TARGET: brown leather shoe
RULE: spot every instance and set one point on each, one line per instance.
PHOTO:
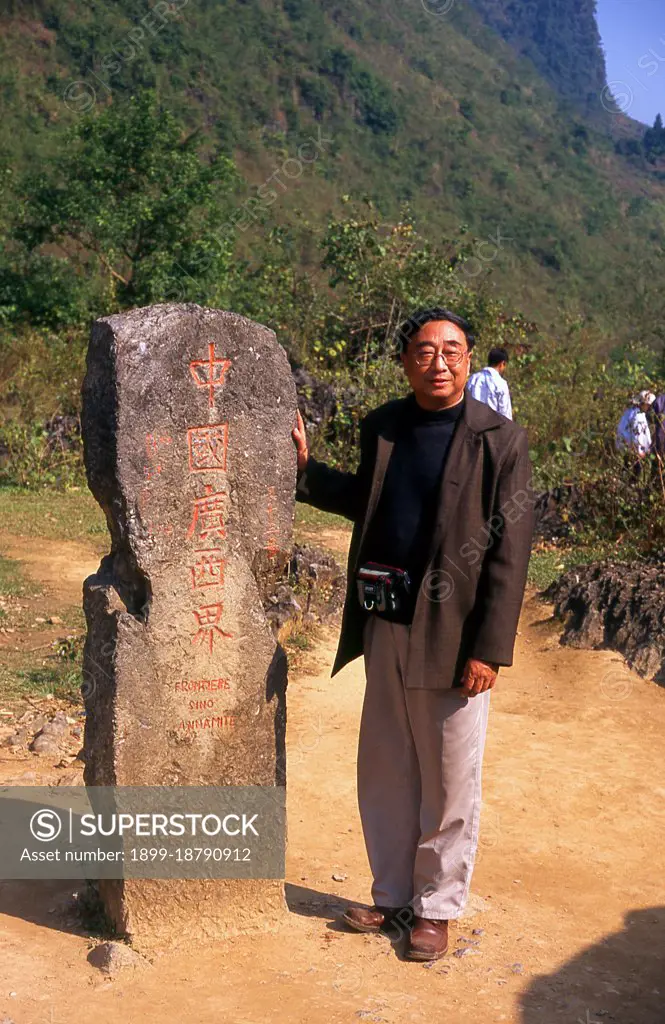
(369, 919)
(429, 940)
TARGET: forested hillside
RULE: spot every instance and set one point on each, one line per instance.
(561, 39)
(431, 109)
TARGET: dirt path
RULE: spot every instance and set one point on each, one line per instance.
(59, 565)
(59, 568)
(567, 888)
(336, 541)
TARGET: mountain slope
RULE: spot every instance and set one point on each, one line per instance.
(438, 111)
(561, 39)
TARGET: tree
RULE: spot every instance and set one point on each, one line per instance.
(654, 140)
(130, 201)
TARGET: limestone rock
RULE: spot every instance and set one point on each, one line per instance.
(113, 957)
(616, 605)
(559, 512)
(321, 578)
(44, 744)
(282, 607)
(16, 739)
(51, 736)
(187, 418)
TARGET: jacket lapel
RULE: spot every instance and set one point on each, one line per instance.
(384, 450)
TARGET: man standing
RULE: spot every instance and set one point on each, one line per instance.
(489, 385)
(442, 493)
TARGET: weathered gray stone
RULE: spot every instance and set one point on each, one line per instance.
(113, 957)
(16, 739)
(616, 605)
(45, 744)
(321, 580)
(187, 418)
(57, 726)
(51, 737)
(282, 607)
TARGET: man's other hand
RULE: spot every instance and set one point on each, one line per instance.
(478, 676)
(300, 440)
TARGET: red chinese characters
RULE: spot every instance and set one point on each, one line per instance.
(208, 621)
(209, 373)
(208, 570)
(272, 530)
(208, 516)
(207, 447)
(154, 443)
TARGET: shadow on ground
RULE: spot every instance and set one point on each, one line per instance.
(53, 904)
(621, 979)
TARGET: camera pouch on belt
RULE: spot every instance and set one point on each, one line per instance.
(382, 588)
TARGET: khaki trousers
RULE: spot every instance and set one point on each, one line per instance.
(419, 775)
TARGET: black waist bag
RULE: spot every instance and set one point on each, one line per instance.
(382, 588)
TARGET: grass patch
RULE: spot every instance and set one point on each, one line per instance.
(55, 515)
(547, 565)
(59, 680)
(13, 581)
(15, 587)
(60, 673)
(299, 642)
(310, 518)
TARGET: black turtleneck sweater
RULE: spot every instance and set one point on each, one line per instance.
(400, 531)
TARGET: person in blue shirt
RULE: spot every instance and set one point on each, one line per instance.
(633, 433)
(633, 436)
(489, 386)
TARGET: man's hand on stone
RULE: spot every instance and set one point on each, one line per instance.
(300, 439)
(478, 676)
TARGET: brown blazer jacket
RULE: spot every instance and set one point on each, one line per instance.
(473, 587)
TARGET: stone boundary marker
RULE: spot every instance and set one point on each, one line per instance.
(187, 418)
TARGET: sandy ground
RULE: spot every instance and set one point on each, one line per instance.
(567, 892)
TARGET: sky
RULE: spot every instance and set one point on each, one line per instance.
(633, 33)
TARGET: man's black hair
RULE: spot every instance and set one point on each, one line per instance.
(497, 356)
(425, 316)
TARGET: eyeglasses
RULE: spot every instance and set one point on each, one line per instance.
(427, 354)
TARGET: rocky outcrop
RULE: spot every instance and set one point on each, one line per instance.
(325, 407)
(616, 605)
(558, 512)
(311, 588)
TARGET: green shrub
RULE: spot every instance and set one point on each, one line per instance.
(40, 377)
(31, 460)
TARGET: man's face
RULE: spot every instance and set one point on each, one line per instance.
(501, 368)
(437, 382)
